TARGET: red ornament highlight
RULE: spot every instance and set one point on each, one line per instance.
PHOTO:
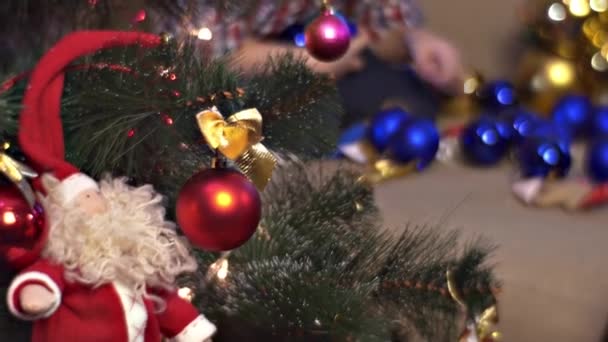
(218, 209)
(23, 232)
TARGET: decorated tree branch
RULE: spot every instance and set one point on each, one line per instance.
(320, 265)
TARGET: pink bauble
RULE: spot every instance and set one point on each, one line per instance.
(327, 37)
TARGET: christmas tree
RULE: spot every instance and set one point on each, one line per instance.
(321, 266)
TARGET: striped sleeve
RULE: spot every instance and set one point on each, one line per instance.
(381, 14)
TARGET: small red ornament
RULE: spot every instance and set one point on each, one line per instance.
(218, 209)
(327, 37)
(23, 232)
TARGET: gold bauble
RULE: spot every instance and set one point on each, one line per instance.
(542, 79)
(556, 25)
(594, 63)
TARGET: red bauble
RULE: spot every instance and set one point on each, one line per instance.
(327, 37)
(23, 232)
(218, 209)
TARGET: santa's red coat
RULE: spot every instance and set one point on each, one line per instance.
(106, 313)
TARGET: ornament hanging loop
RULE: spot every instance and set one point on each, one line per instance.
(218, 162)
(326, 6)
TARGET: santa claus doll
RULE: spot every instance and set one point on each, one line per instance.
(108, 269)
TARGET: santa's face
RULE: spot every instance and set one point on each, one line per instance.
(117, 234)
(92, 202)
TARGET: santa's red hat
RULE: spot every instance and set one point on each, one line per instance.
(40, 127)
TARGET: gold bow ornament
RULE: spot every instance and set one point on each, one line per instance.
(480, 328)
(239, 138)
(17, 173)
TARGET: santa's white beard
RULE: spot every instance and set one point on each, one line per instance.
(131, 243)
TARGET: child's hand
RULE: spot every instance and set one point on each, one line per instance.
(352, 61)
(36, 299)
(435, 60)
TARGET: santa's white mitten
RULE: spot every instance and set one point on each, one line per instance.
(36, 299)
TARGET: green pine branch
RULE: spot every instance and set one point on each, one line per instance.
(301, 108)
(323, 265)
(10, 105)
(142, 123)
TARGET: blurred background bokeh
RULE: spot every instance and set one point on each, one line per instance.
(485, 31)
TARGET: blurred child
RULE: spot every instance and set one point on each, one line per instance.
(391, 28)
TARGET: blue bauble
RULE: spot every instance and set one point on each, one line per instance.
(551, 130)
(353, 143)
(573, 112)
(294, 33)
(599, 122)
(597, 160)
(542, 156)
(384, 126)
(299, 39)
(353, 134)
(485, 141)
(522, 123)
(498, 95)
(416, 140)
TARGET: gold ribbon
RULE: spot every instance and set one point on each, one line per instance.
(239, 138)
(483, 324)
(385, 169)
(17, 172)
(453, 289)
(379, 167)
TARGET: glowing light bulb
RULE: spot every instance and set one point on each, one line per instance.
(167, 119)
(219, 269)
(6, 145)
(185, 293)
(599, 5)
(9, 218)
(359, 206)
(222, 272)
(470, 85)
(223, 199)
(556, 12)
(598, 62)
(579, 8)
(204, 34)
(139, 16)
(560, 73)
